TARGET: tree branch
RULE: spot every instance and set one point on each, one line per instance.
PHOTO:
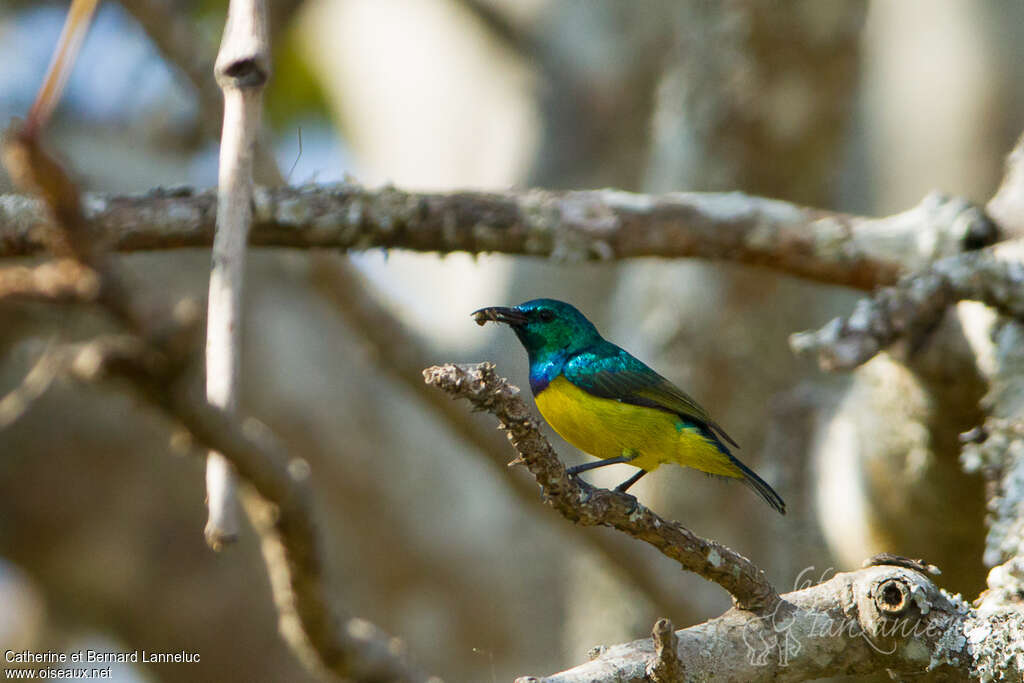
(585, 505)
(993, 276)
(868, 621)
(916, 305)
(242, 69)
(574, 226)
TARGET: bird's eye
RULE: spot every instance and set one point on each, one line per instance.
(546, 316)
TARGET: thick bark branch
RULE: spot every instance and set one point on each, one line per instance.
(868, 621)
(586, 505)
(997, 451)
(574, 226)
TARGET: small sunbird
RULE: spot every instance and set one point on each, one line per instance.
(609, 404)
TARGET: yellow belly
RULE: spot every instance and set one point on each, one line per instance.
(606, 428)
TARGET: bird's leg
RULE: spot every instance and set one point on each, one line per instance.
(573, 471)
(621, 488)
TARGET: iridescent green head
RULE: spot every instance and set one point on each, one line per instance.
(546, 327)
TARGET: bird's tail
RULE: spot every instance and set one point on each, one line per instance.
(747, 475)
(760, 486)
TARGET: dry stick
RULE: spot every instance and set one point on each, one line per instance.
(76, 25)
(572, 226)
(588, 506)
(174, 36)
(242, 69)
(399, 352)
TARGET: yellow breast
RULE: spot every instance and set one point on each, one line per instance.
(607, 428)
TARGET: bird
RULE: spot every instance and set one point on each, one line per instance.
(609, 404)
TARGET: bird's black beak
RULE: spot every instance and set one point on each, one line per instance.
(499, 314)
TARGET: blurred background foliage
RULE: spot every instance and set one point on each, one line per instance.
(848, 105)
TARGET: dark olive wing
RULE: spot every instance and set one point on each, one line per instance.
(607, 371)
(611, 372)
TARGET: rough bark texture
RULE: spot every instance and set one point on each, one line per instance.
(571, 226)
(873, 620)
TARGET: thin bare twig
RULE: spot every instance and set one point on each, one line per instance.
(588, 506)
(76, 25)
(242, 69)
(572, 226)
(300, 613)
